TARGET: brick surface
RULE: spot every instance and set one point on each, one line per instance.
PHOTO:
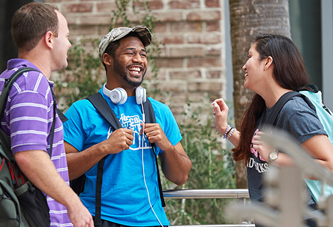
(205, 62)
(186, 52)
(168, 16)
(212, 50)
(212, 3)
(72, 19)
(178, 98)
(77, 7)
(53, 1)
(184, 4)
(213, 26)
(153, 5)
(204, 86)
(186, 27)
(170, 38)
(214, 74)
(161, 28)
(185, 74)
(204, 16)
(170, 63)
(175, 86)
(95, 20)
(102, 30)
(76, 30)
(105, 6)
(205, 38)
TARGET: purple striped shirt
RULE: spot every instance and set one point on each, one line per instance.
(28, 120)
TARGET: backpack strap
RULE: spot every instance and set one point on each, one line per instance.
(150, 117)
(279, 104)
(104, 109)
(5, 140)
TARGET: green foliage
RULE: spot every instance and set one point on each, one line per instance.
(212, 168)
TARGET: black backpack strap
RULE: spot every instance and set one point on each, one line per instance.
(98, 204)
(279, 104)
(104, 109)
(150, 118)
(5, 140)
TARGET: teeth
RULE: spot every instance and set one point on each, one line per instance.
(245, 75)
(136, 69)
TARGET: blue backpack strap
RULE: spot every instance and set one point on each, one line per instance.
(150, 118)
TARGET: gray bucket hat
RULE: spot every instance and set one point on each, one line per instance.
(121, 32)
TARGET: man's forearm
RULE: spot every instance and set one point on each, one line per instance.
(40, 170)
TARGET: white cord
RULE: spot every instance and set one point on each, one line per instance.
(143, 165)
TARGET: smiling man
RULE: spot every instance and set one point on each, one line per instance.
(130, 192)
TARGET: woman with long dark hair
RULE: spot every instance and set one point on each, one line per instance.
(274, 67)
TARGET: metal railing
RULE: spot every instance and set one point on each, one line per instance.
(206, 194)
(209, 194)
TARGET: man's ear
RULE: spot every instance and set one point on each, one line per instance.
(107, 59)
(268, 62)
(48, 39)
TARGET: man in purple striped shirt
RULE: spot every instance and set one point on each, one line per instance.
(40, 33)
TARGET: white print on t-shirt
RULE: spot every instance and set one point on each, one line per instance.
(260, 167)
(134, 123)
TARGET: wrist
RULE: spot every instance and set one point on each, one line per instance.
(226, 131)
(273, 156)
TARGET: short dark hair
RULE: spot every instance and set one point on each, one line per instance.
(31, 22)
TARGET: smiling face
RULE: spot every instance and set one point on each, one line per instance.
(254, 68)
(130, 62)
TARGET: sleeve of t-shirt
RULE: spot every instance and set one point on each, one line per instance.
(168, 124)
(29, 119)
(74, 133)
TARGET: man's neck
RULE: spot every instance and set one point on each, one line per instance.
(41, 62)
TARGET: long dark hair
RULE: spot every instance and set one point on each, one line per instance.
(289, 72)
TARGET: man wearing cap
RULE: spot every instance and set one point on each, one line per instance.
(130, 192)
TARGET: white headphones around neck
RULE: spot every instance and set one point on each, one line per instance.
(119, 95)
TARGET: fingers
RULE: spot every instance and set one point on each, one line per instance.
(219, 107)
(154, 132)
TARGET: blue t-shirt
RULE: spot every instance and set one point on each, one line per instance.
(124, 195)
(297, 118)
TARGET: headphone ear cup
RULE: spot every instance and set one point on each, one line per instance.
(140, 95)
(118, 96)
